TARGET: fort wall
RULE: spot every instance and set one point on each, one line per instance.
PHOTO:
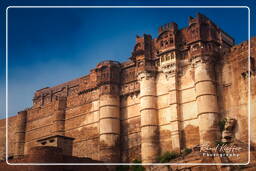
(170, 95)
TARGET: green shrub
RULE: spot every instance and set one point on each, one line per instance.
(220, 143)
(186, 151)
(136, 161)
(222, 124)
(137, 167)
(122, 168)
(167, 156)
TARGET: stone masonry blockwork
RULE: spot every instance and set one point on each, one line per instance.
(170, 95)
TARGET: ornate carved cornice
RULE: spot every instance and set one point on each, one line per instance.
(146, 75)
(169, 69)
(129, 88)
(198, 60)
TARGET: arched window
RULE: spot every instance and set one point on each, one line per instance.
(167, 57)
(172, 55)
(161, 43)
(171, 41)
(162, 59)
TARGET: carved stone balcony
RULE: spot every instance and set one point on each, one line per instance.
(203, 52)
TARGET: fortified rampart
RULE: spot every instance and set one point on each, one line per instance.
(170, 95)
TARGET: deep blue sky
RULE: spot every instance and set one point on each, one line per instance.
(51, 46)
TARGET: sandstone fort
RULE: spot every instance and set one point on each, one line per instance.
(184, 88)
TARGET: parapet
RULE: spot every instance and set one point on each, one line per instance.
(108, 72)
(107, 63)
(173, 27)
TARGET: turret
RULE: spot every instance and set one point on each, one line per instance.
(108, 81)
(167, 38)
(146, 72)
(203, 29)
(168, 53)
(204, 51)
(142, 54)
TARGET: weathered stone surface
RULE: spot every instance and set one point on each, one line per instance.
(50, 155)
(171, 95)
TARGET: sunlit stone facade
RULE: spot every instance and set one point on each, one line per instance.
(170, 95)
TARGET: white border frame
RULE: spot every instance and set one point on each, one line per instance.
(208, 164)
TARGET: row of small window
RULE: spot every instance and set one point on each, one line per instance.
(128, 76)
(167, 57)
(166, 42)
(194, 31)
(166, 35)
(106, 75)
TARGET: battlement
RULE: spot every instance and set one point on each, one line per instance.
(240, 48)
(239, 53)
(127, 64)
(199, 19)
(143, 47)
(173, 27)
(107, 63)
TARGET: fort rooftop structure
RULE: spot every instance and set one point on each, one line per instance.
(170, 95)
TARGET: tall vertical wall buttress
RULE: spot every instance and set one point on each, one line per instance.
(149, 117)
(59, 116)
(174, 112)
(108, 81)
(206, 99)
(170, 69)
(20, 133)
(109, 127)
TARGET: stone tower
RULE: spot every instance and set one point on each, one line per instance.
(146, 73)
(168, 54)
(203, 53)
(108, 81)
